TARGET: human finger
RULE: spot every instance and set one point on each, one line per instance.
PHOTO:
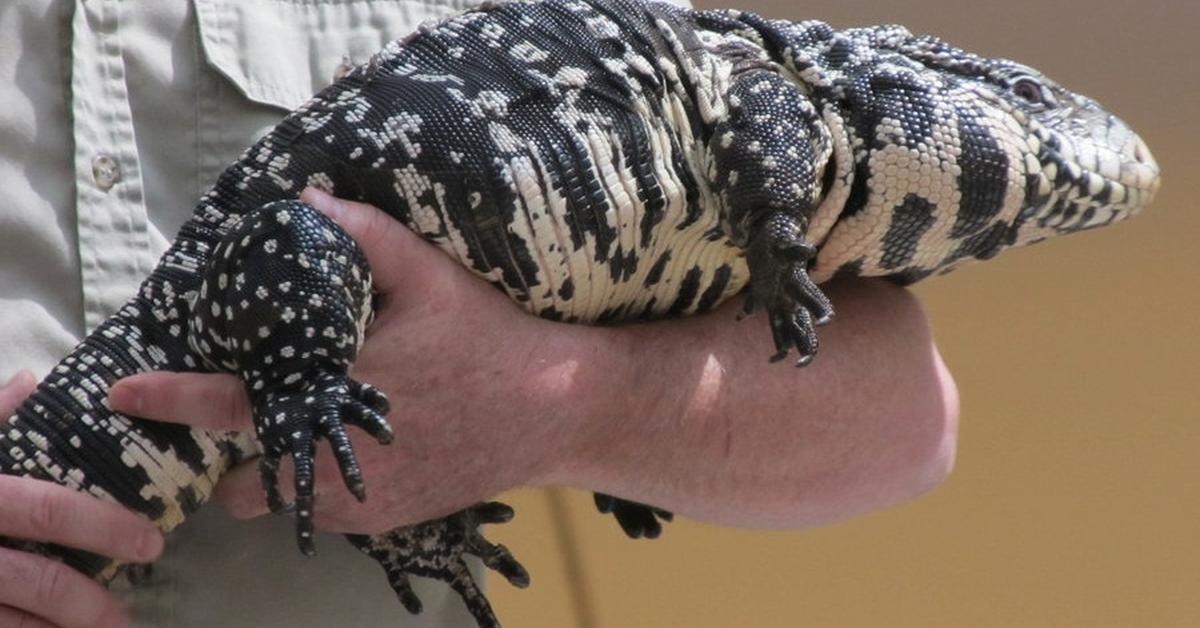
(210, 401)
(51, 590)
(36, 510)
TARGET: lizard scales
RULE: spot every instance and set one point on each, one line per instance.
(600, 161)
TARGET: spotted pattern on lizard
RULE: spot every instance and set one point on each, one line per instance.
(599, 161)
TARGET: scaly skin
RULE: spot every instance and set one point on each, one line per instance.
(599, 161)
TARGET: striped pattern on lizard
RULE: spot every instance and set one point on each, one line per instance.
(599, 161)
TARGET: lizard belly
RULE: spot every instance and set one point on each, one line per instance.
(587, 214)
(622, 254)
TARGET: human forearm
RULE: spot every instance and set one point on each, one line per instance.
(686, 414)
(690, 416)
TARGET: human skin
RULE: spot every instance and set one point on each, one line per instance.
(685, 414)
(38, 592)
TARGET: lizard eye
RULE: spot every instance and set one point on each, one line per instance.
(1032, 92)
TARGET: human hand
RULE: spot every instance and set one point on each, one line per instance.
(438, 333)
(38, 592)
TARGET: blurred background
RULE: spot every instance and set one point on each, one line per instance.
(1076, 499)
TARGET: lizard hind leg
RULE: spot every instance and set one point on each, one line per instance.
(438, 549)
(284, 304)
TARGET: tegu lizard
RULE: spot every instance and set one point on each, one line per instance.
(599, 161)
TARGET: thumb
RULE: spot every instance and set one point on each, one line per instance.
(15, 390)
(393, 250)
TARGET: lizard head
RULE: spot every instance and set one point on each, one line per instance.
(1085, 167)
(943, 156)
(1078, 165)
(940, 156)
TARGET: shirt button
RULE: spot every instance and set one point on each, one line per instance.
(345, 67)
(106, 172)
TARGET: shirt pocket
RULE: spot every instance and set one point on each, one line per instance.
(281, 52)
(261, 58)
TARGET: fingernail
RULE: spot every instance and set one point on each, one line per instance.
(241, 510)
(326, 203)
(238, 506)
(123, 398)
(17, 377)
(150, 546)
(251, 508)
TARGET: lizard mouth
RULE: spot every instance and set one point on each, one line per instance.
(1090, 182)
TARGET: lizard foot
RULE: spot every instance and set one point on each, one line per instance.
(291, 423)
(778, 257)
(637, 520)
(437, 549)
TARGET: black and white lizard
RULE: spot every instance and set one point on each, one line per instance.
(599, 161)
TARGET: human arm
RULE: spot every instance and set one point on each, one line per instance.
(38, 592)
(711, 430)
(687, 415)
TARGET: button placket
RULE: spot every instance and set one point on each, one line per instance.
(114, 242)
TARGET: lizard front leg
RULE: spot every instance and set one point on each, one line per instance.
(778, 258)
(284, 304)
(768, 155)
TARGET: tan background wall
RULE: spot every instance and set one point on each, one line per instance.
(1076, 501)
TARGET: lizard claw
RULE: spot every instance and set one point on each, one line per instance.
(778, 258)
(291, 423)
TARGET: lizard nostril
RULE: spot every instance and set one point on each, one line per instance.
(1142, 154)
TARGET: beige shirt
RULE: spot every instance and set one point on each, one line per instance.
(115, 115)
